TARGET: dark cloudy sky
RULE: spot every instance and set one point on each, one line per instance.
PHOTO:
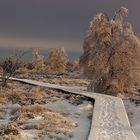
(55, 23)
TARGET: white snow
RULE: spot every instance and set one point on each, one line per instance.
(133, 111)
(79, 113)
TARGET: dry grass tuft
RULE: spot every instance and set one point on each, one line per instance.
(51, 121)
(10, 132)
(22, 95)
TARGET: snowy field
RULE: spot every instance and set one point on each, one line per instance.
(34, 113)
(79, 113)
(133, 110)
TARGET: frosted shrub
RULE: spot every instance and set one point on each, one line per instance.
(57, 60)
(37, 61)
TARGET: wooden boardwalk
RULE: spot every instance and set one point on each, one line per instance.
(109, 121)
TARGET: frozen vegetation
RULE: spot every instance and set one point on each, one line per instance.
(29, 113)
(109, 65)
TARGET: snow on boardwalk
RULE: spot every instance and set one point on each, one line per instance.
(109, 122)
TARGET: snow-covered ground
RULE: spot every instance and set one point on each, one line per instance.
(133, 111)
(109, 113)
(81, 113)
(44, 114)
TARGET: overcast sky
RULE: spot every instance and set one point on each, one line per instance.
(55, 23)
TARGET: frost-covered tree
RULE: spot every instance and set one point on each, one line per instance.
(57, 59)
(111, 57)
(38, 61)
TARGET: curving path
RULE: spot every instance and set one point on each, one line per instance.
(109, 122)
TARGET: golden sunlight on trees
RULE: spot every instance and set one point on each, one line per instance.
(111, 57)
(57, 60)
